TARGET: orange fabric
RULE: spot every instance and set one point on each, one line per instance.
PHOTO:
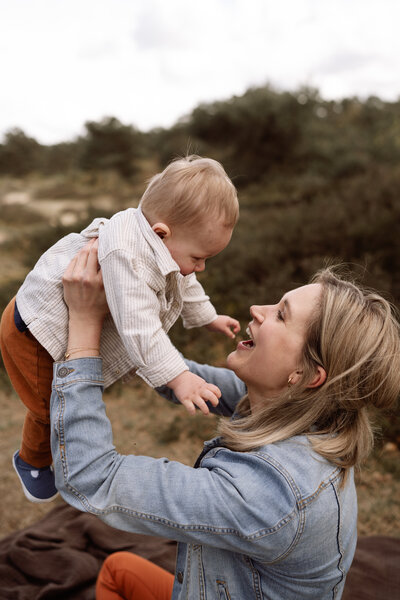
(127, 576)
(30, 368)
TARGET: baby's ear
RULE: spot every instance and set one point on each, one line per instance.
(162, 230)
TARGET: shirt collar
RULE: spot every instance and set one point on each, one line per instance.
(163, 256)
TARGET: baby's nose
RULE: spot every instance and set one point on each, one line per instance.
(200, 267)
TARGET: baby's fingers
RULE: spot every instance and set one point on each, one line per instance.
(190, 407)
(215, 392)
(236, 326)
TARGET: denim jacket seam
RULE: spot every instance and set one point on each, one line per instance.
(293, 543)
(60, 431)
(172, 524)
(322, 486)
(65, 384)
(188, 569)
(285, 474)
(198, 548)
(255, 577)
(299, 504)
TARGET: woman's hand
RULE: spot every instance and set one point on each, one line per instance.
(86, 300)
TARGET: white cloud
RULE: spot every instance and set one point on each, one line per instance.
(149, 62)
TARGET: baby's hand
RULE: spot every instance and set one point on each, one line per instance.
(191, 390)
(226, 325)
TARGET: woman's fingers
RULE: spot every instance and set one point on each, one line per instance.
(92, 263)
(83, 264)
(83, 283)
(68, 273)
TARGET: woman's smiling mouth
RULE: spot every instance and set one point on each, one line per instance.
(247, 344)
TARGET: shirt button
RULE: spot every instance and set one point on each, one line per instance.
(116, 371)
(180, 577)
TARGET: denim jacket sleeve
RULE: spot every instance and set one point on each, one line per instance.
(235, 501)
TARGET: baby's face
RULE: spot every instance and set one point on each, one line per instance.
(191, 246)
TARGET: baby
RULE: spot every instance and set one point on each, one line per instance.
(148, 257)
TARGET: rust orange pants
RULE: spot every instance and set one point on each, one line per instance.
(127, 576)
(30, 368)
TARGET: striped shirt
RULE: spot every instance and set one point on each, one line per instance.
(145, 293)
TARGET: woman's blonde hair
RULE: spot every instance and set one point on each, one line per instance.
(189, 189)
(355, 337)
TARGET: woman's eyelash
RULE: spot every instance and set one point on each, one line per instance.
(279, 316)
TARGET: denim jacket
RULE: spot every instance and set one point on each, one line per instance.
(268, 524)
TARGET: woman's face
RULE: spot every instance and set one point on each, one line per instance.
(277, 333)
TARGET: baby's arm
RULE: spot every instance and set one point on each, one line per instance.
(135, 308)
(199, 312)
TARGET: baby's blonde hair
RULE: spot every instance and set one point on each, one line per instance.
(355, 337)
(188, 190)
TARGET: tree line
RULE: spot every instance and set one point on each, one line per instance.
(253, 135)
(318, 183)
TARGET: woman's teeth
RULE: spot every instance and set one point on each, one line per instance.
(249, 342)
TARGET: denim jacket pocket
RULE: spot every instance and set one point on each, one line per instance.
(222, 590)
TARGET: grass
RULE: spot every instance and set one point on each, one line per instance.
(145, 424)
(142, 422)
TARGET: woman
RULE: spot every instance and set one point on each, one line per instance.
(270, 509)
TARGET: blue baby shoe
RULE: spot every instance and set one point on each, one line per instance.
(38, 484)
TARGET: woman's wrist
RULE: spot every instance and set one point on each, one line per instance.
(83, 337)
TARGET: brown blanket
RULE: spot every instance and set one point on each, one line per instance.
(59, 558)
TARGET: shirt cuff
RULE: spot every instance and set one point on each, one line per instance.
(166, 369)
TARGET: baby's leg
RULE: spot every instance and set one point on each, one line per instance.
(30, 368)
(125, 575)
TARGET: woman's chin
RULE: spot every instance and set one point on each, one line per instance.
(231, 360)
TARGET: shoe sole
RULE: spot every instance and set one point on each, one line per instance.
(27, 493)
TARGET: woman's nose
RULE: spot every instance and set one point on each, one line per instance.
(257, 312)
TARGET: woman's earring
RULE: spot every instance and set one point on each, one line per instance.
(289, 381)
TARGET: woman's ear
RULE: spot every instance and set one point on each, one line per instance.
(162, 230)
(319, 378)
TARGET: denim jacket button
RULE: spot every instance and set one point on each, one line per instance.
(63, 372)
(180, 576)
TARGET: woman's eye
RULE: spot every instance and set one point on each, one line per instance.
(279, 315)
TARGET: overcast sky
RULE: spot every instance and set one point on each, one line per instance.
(149, 62)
